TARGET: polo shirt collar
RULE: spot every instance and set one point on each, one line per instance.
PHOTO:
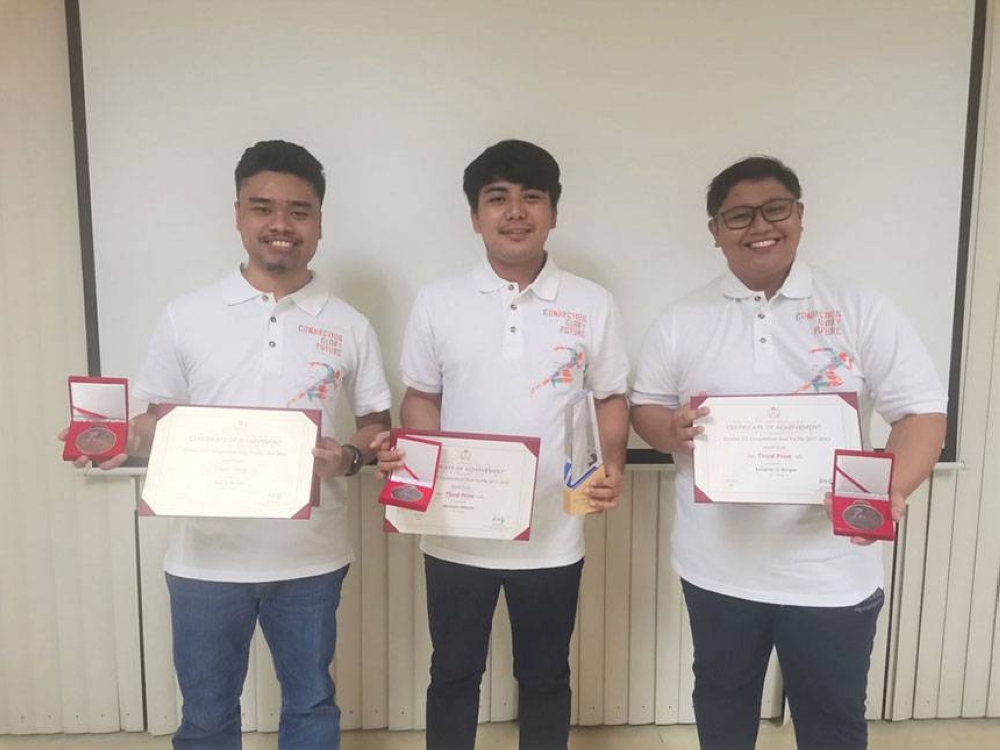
(545, 286)
(798, 284)
(310, 299)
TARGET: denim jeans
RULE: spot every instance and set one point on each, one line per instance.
(213, 624)
(824, 653)
(542, 607)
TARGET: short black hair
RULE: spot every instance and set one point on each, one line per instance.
(285, 157)
(754, 168)
(514, 161)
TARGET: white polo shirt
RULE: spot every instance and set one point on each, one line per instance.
(231, 345)
(815, 335)
(507, 361)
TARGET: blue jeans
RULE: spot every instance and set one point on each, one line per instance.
(542, 607)
(824, 654)
(213, 624)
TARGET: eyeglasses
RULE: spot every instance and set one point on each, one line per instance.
(741, 217)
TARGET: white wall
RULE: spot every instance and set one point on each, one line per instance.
(642, 102)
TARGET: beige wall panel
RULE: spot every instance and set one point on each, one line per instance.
(401, 615)
(991, 484)
(421, 641)
(981, 377)
(880, 648)
(374, 625)
(125, 587)
(642, 598)
(56, 582)
(486, 690)
(592, 591)
(772, 704)
(961, 568)
(907, 587)
(670, 616)
(268, 690)
(248, 698)
(935, 595)
(618, 556)
(162, 705)
(347, 657)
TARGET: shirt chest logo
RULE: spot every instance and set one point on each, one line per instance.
(324, 383)
(572, 362)
(328, 342)
(571, 323)
(822, 322)
(829, 368)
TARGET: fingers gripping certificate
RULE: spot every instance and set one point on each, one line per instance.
(232, 463)
(485, 488)
(772, 449)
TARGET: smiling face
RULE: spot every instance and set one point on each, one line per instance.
(514, 222)
(761, 254)
(279, 219)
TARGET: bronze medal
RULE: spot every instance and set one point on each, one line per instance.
(95, 440)
(408, 493)
(863, 517)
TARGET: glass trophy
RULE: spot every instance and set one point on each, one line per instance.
(584, 461)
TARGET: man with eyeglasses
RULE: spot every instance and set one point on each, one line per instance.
(775, 576)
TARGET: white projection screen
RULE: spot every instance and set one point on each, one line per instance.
(641, 102)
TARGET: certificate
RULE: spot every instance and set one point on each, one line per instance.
(232, 463)
(772, 449)
(485, 488)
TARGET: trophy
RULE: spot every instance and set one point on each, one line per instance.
(584, 461)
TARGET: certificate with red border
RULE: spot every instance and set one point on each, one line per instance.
(485, 488)
(772, 448)
(232, 462)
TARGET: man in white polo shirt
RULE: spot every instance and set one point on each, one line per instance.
(763, 577)
(268, 334)
(503, 348)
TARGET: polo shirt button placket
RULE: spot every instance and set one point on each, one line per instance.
(513, 336)
(272, 336)
(763, 347)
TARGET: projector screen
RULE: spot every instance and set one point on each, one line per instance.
(640, 101)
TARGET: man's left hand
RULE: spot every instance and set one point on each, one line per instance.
(604, 493)
(898, 505)
(330, 459)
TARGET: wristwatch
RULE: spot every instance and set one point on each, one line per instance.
(357, 459)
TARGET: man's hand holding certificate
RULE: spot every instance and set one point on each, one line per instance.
(772, 449)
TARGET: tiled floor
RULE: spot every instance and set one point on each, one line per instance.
(952, 734)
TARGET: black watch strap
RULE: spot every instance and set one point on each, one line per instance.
(357, 459)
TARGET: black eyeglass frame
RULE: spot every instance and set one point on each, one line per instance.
(754, 210)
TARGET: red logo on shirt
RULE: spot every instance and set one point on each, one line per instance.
(573, 323)
(328, 342)
(824, 322)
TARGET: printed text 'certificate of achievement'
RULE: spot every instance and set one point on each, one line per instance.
(485, 488)
(772, 449)
(232, 463)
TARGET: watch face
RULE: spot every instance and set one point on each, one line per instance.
(95, 440)
(407, 493)
(863, 517)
